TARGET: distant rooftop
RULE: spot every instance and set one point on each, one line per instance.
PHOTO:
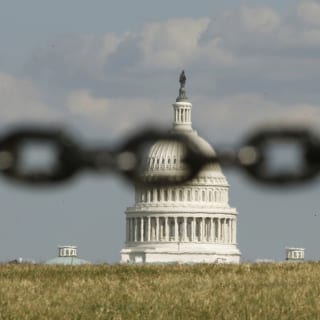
(67, 255)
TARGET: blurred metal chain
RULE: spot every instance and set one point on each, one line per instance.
(70, 157)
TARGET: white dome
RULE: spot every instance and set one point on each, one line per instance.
(167, 156)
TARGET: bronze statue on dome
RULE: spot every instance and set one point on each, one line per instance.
(182, 91)
(182, 79)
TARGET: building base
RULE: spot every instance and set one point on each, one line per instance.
(181, 254)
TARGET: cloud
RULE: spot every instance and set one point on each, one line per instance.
(309, 12)
(230, 118)
(22, 101)
(115, 115)
(250, 38)
(172, 43)
(248, 64)
(259, 19)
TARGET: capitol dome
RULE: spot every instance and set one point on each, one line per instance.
(189, 223)
(167, 156)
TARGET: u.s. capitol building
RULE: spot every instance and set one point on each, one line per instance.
(190, 223)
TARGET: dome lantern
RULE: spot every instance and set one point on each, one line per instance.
(182, 108)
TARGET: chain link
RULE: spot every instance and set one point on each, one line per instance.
(70, 158)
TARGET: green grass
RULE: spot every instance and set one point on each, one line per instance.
(246, 291)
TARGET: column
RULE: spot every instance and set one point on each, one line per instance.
(148, 229)
(202, 226)
(166, 226)
(193, 229)
(211, 230)
(223, 229)
(176, 229)
(127, 229)
(157, 228)
(142, 229)
(184, 229)
(227, 230)
(219, 230)
(230, 231)
(134, 229)
(234, 233)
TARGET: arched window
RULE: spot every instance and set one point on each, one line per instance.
(158, 195)
(196, 195)
(203, 195)
(165, 195)
(210, 195)
(180, 195)
(189, 195)
(173, 195)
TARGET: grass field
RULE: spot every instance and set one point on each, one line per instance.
(246, 291)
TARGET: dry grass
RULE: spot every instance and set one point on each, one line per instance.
(246, 291)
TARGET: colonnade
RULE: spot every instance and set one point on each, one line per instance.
(183, 194)
(182, 115)
(180, 229)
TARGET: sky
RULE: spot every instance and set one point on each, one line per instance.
(105, 69)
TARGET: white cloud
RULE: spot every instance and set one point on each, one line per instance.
(172, 43)
(259, 19)
(22, 101)
(309, 12)
(115, 80)
(230, 118)
(115, 115)
(81, 102)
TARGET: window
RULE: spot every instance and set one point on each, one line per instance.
(173, 195)
(189, 195)
(180, 195)
(165, 195)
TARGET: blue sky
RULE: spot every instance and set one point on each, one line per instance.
(106, 68)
